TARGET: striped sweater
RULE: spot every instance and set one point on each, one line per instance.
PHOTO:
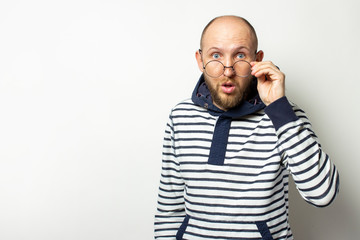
(247, 196)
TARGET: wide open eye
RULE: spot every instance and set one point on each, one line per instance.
(240, 55)
(216, 55)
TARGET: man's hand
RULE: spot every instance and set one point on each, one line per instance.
(271, 81)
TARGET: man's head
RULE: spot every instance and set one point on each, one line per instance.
(228, 39)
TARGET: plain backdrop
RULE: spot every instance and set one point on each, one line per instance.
(85, 92)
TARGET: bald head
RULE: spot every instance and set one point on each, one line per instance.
(230, 25)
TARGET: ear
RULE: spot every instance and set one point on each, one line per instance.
(259, 56)
(199, 60)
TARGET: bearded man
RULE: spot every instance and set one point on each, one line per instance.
(228, 151)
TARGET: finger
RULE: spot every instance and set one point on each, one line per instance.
(263, 65)
(255, 63)
(262, 73)
(266, 69)
(269, 71)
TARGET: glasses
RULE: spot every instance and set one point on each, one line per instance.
(215, 68)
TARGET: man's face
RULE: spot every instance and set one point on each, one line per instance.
(228, 41)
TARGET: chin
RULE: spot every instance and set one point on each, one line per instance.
(228, 101)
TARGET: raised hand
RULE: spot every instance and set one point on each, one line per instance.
(271, 81)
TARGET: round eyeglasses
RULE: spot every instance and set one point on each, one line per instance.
(215, 68)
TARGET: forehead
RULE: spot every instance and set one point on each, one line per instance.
(228, 34)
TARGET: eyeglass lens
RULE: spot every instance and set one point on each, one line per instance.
(216, 68)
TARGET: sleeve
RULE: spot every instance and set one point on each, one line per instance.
(315, 176)
(170, 211)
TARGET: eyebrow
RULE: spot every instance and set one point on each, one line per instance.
(235, 49)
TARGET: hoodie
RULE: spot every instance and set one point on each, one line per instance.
(225, 175)
(201, 97)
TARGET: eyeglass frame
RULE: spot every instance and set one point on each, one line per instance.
(232, 67)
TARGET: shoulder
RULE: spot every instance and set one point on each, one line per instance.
(187, 106)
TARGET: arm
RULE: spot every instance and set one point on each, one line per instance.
(170, 208)
(314, 174)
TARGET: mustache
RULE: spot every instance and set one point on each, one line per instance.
(223, 80)
(227, 80)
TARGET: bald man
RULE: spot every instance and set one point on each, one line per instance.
(228, 150)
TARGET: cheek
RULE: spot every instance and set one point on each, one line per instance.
(243, 84)
(246, 82)
(213, 82)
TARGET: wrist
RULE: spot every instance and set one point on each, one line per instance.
(280, 112)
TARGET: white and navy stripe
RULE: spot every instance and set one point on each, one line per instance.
(247, 196)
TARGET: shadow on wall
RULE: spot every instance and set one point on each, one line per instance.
(335, 222)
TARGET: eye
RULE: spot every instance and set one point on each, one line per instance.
(216, 55)
(240, 55)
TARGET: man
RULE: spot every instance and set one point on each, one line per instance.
(228, 151)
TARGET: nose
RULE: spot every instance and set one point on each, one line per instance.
(229, 71)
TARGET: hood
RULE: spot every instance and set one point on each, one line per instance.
(201, 97)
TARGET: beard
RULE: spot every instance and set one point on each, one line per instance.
(227, 101)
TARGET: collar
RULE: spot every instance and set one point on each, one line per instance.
(201, 97)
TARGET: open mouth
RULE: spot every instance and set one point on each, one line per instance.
(228, 87)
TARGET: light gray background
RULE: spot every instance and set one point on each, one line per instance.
(86, 88)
